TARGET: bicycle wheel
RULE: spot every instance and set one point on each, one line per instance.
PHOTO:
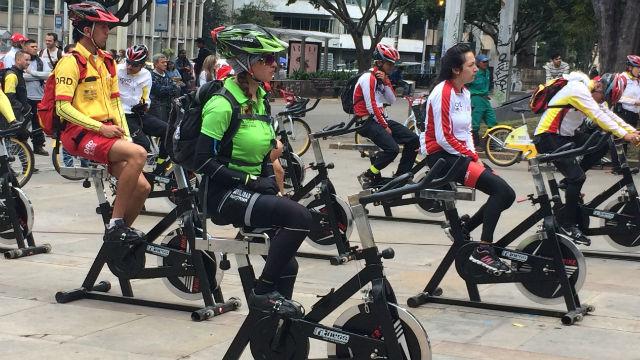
(496, 151)
(60, 158)
(23, 160)
(298, 134)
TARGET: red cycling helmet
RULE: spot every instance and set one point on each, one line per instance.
(385, 52)
(633, 60)
(17, 37)
(613, 85)
(137, 54)
(91, 12)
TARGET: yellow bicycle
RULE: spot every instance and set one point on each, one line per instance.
(505, 146)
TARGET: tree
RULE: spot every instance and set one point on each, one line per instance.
(122, 11)
(255, 13)
(215, 14)
(619, 31)
(358, 28)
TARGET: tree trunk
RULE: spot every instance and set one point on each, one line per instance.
(363, 56)
(619, 32)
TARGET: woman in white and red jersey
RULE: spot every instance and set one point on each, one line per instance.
(448, 136)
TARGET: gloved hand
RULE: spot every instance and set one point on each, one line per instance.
(263, 185)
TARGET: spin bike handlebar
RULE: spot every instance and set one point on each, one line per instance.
(592, 144)
(427, 182)
(298, 111)
(338, 129)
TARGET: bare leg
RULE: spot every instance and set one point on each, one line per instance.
(127, 160)
(278, 170)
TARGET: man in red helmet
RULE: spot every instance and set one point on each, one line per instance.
(17, 40)
(95, 124)
(372, 91)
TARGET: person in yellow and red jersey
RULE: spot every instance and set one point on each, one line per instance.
(8, 117)
(578, 99)
(95, 125)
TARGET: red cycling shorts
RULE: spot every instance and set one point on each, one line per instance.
(474, 170)
(78, 141)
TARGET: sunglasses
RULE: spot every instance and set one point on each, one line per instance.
(134, 65)
(268, 59)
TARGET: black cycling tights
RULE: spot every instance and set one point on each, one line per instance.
(290, 220)
(501, 196)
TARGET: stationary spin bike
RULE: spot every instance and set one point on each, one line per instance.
(546, 267)
(378, 328)
(188, 273)
(332, 218)
(619, 220)
(16, 211)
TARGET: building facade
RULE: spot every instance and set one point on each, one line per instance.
(301, 15)
(184, 24)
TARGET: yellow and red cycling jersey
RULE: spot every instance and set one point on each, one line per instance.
(95, 99)
(577, 96)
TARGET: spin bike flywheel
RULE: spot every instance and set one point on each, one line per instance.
(431, 207)
(549, 292)
(24, 210)
(411, 335)
(629, 240)
(321, 235)
(292, 344)
(188, 287)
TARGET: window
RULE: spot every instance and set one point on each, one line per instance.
(49, 7)
(304, 23)
(4, 5)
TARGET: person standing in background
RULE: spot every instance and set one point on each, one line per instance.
(17, 40)
(163, 89)
(51, 53)
(481, 109)
(203, 52)
(183, 65)
(556, 67)
(35, 76)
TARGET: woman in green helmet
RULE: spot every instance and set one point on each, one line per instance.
(242, 189)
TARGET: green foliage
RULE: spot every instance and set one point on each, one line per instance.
(215, 14)
(255, 13)
(168, 52)
(420, 12)
(333, 75)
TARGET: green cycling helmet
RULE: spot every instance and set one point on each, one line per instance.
(245, 39)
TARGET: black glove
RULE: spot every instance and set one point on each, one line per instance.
(139, 109)
(263, 185)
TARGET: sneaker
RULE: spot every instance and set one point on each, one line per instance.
(368, 180)
(39, 150)
(485, 256)
(575, 234)
(122, 233)
(274, 303)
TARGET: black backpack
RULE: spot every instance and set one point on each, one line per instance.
(185, 123)
(346, 96)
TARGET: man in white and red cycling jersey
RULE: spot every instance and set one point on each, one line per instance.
(372, 91)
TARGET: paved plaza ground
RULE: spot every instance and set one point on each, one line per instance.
(34, 326)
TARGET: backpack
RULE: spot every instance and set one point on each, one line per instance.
(185, 122)
(49, 120)
(346, 96)
(52, 63)
(540, 98)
